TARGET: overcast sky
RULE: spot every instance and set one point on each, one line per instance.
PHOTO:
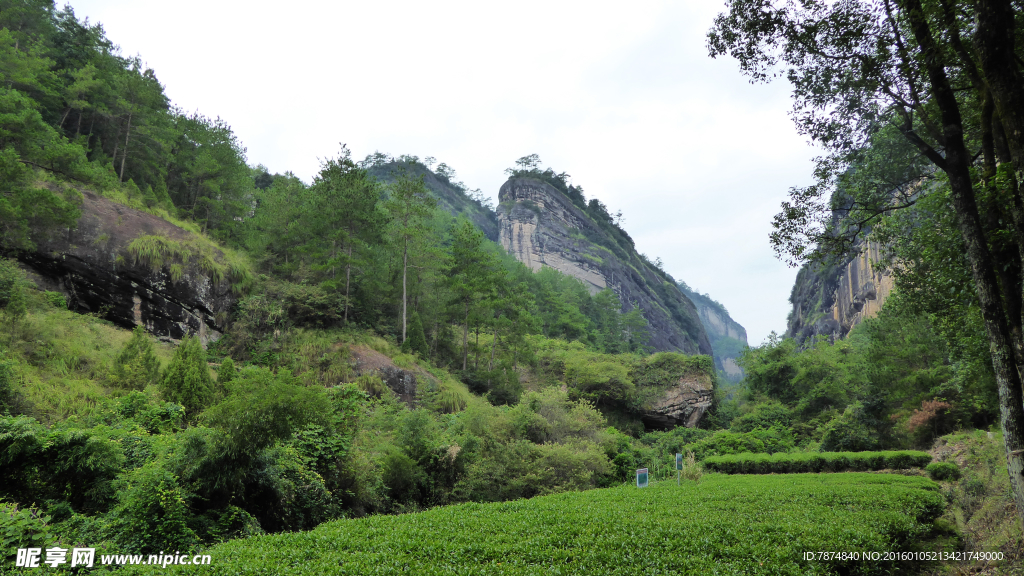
(625, 99)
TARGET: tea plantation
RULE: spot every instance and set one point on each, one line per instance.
(721, 525)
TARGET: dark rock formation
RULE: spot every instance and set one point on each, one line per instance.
(830, 301)
(401, 382)
(542, 227)
(681, 405)
(90, 264)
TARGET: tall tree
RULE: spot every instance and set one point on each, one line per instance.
(409, 205)
(861, 65)
(470, 274)
(346, 215)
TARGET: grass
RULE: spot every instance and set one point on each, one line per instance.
(722, 525)
(63, 359)
(980, 504)
(160, 251)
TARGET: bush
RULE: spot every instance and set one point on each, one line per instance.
(187, 379)
(849, 431)
(136, 366)
(943, 471)
(56, 299)
(767, 415)
(24, 528)
(811, 462)
(12, 297)
(153, 514)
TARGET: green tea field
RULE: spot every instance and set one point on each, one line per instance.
(721, 525)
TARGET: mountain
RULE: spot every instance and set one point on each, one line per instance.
(728, 337)
(830, 300)
(542, 226)
(450, 197)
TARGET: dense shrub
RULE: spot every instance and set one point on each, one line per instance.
(943, 471)
(152, 515)
(187, 379)
(849, 431)
(815, 462)
(136, 366)
(766, 415)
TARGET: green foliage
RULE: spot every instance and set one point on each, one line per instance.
(849, 432)
(417, 340)
(765, 415)
(22, 528)
(56, 299)
(943, 471)
(152, 514)
(12, 296)
(226, 372)
(187, 378)
(798, 463)
(727, 524)
(136, 366)
(159, 252)
(263, 408)
(7, 383)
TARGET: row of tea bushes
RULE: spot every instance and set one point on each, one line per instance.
(728, 525)
(791, 463)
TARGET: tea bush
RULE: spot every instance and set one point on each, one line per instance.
(723, 525)
(815, 462)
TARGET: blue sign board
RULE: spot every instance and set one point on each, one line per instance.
(641, 478)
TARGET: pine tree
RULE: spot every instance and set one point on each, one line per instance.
(187, 379)
(136, 365)
(417, 340)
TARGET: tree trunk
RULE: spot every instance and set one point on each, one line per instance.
(124, 155)
(348, 280)
(476, 362)
(494, 344)
(405, 268)
(1008, 379)
(465, 339)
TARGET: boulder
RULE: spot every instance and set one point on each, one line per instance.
(90, 264)
(683, 404)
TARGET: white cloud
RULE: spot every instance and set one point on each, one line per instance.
(623, 98)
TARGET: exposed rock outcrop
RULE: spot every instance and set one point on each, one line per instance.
(683, 404)
(542, 227)
(401, 382)
(831, 301)
(90, 264)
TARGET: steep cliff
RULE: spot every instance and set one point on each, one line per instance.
(830, 301)
(727, 337)
(174, 282)
(541, 226)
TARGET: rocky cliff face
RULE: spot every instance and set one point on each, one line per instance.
(831, 301)
(91, 265)
(684, 404)
(727, 337)
(542, 227)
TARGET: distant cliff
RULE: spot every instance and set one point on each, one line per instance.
(830, 301)
(542, 226)
(727, 337)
